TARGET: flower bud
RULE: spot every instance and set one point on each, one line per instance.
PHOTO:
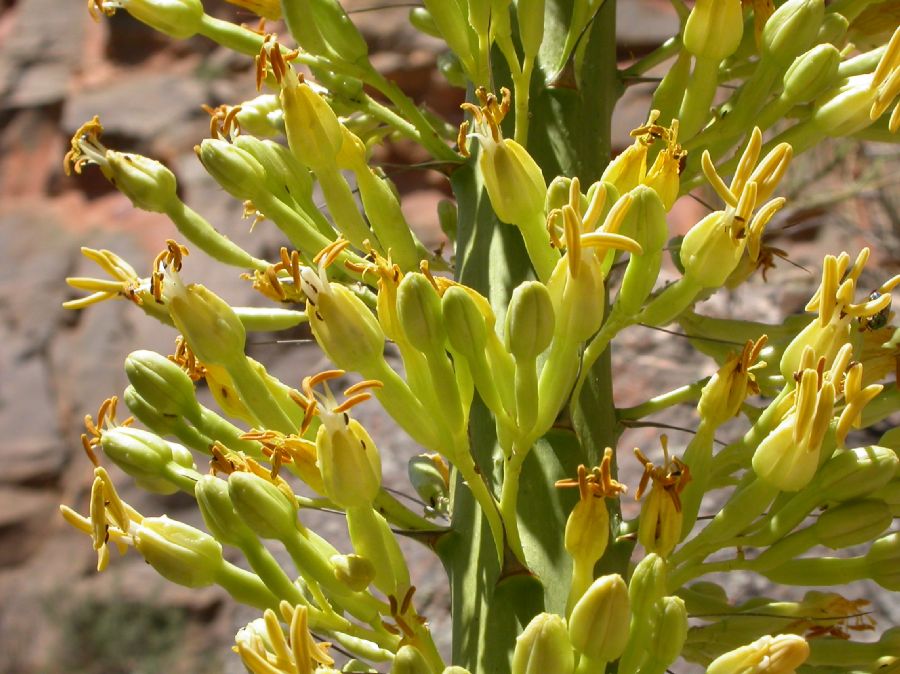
(890, 494)
(147, 183)
(209, 325)
(261, 117)
(455, 669)
(236, 170)
(145, 457)
(419, 308)
(429, 476)
(264, 507)
(348, 460)
(856, 473)
(833, 29)
(544, 647)
(628, 169)
(179, 19)
(410, 661)
(659, 529)
(714, 29)
(530, 16)
(285, 177)
(811, 73)
(768, 655)
(353, 571)
(162, 384)
(178, 552)
(514, 182)
(883, 561)
(530, 321)
(598, 626)
(647, 584)
(422, 21)
(464, 324)
(852, 523)
(645, 222)
(670, 630)
(791, 29)
(844, 109)
(339, 32)
(218, 511)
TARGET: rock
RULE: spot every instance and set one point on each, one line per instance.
(24, 517)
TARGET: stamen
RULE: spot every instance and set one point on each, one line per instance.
(715, 180)
(748, 160)
(595, 208)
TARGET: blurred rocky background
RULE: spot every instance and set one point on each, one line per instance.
(57, 69)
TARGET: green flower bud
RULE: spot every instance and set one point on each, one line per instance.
(768, 655)
(852, 523)
(147, 183)
(179, 19)
(162, 384)
(267, 510)
(355, 665)
(648, 583)
(883, 561)
(544, 647)
(448, 218)
(791, 29)
(348, 460)
(670, 630)
(285, 176)
(342, 324)
(890, 494)
(260, 116)
(811, 73)
(451, 20)
(422, 21)
(833, 29)
(339, 32)
(464, 324)
(714, 29)
(598, 626)
(645, 222)
(297, 16)
(410, 661)
(236, 170)
(455, 669)
(855, 473)
(844, 109)
(353, 571)
(218, 512)
(313, 130)
(373, 539)
(419, 308)
(145, 457)
(514, 182)
(429, 476)
(210, 326)
(178, 552)
(530, 321)
(530, 15)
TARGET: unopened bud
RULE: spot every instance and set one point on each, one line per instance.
(811, 73)
(268, 511)
(178, 552)
(409, 660)
(261, 116)
(598, 626)
(883, 561)
(530, 321)
(544, 647)
(708, 253)
(852, 523)
(791, 29)
(218, 511)
(162, 384)
(464, 324)
(145, 457)
(419, 308)
(670, 630)
(714, 29)
(179, 19)
(768, 655)
(236, 170)
(354, 571)
(146, 182)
